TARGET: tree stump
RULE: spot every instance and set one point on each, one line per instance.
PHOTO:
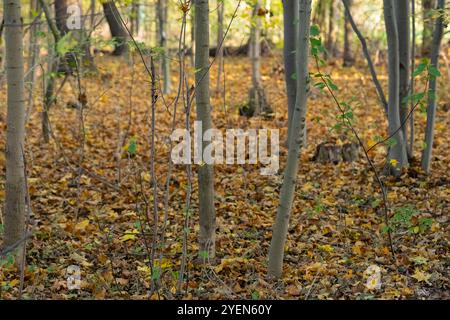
(328, 152)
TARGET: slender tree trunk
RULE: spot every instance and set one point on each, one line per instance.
(331, 37)
(348, 57)
(427, 34)
(431, 110)
(54, 65)
(257, 97)
(118, 31)
(373, 73)
(192, 32)
(49, 99)
(61, 16)
(413, 66)
(33, 53)
(92, 13)
(162, 19)
(14, 213)
(397, 153)
(135, 7)
(402, 15)
(255, 39)
(220, 33)
(290, 12)
(281, 225)
(205, 172)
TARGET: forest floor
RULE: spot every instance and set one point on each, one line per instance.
(336, 228)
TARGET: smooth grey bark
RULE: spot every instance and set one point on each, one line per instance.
(296, 142)
(257, 97)
(53, 68)
(331, 37)
(135, 21)
(33, 52)
(118, 32)
(207, 235)
(413, 66)
(347, 56)
(397, 153)
(427, 33)
(220, 34)
(255, 47)
(431, 109)
(366, 53)
(14, 213)
(163, 11)
(192, 32)
(290, 14)
(404, 39)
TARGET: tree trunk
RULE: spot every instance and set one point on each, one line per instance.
(135, 7)
(118, 31)
(192, 32)
(403, 16)
(397, 153)
(413, 67)
(33, 53)
(14, 213)
(427, 34)
(162, 19)
(54, 65)
(61, 16)
(220, 44)
(290, 12)
(331, 37)
(431, 110)
(205, 172)
(281, 225)
(258, 104)
(348, 57)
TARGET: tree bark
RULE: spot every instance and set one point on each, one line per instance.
(290, 12)
(403, 26)
(397, 153)
(220, 44)
(61, 16)
(331, 37)
(427, 34)
(33, 53)
(413, 66)
(431, 110)
(135, 8)
(296, 142)
(348, 57)
(205, 172)
(162, 19)
(118, 31)
(14, 214)
(257, 97)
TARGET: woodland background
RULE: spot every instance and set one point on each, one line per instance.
(96, 158)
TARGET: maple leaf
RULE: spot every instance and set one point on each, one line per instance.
(421, 276)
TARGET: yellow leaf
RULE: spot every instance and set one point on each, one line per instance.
(13, 282)
(129, 235)
(348, 221)
(393, 162)
(371, 143)
(326, 248)
(81, 226)
(421, 276)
